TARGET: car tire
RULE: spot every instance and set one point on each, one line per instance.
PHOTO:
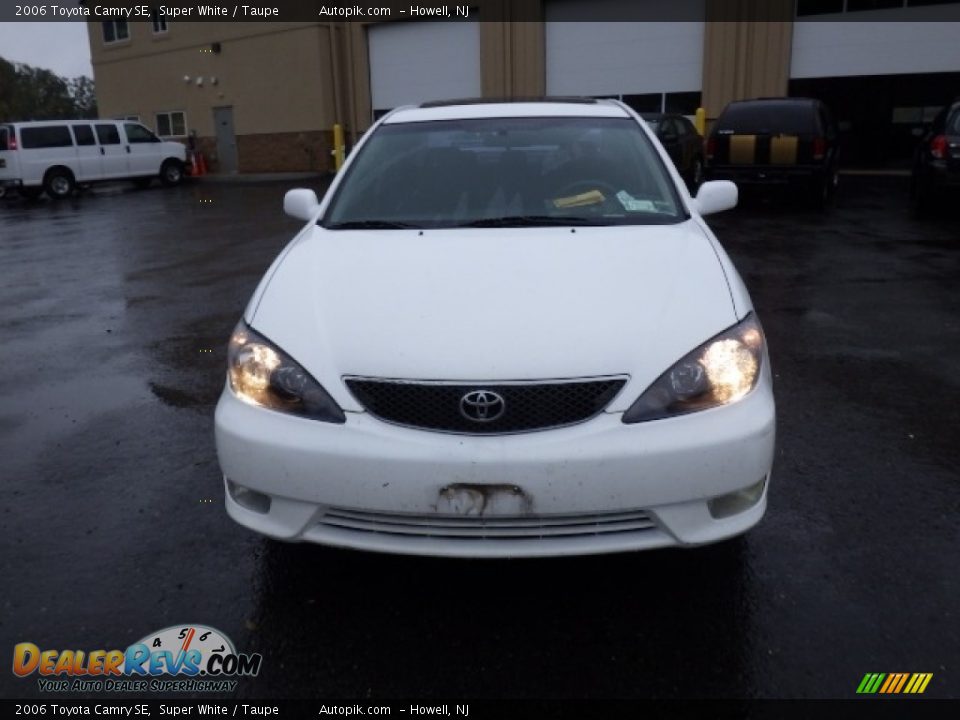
(142, 183)
(30, 193)
(171, 173)
(59, 183)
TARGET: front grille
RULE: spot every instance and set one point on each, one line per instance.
(525, 406)
(488, 528)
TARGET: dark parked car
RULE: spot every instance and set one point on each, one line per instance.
(776, 141)
(682, 142)
(936, 163)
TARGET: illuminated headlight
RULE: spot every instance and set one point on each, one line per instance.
(262, 374)
(719, 372)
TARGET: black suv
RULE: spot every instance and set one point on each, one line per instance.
(936, 163)
(776, 141)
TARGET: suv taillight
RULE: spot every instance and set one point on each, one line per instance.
(11, 141)
(819, 148)
(938, 147)
(711, 147)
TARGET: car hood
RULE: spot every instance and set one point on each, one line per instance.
(495, 304)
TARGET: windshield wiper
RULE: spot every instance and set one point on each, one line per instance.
(370, 225)
(531, 221)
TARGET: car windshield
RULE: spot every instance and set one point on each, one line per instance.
(766, 118)
(503, 172)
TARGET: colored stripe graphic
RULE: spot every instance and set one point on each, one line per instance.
(894, 683)
(903, 679)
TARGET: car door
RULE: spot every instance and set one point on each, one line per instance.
(689, 141)
(143, 149)
(89, 159)
(669, 135)
(113, 154)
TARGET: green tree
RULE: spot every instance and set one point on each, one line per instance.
(29, 93)
(84, 97)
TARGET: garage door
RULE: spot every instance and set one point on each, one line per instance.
(832, 49)
(622, 58)
(412, 62)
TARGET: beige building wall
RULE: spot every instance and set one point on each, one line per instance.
(288, 83)
(278, 78)
(513, 54)
(745, 58)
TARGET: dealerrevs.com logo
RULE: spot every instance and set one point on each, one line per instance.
(180, 658)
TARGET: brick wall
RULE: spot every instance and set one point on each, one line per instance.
(286, 152)
(276, 152)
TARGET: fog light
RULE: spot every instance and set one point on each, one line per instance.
(724, 506)
(250, 499)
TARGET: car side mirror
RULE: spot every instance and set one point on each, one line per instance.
(716, 196)
(301, 204)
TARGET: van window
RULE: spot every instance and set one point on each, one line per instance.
(139, 134)
(108, 134)
(46, 137)
(84, 135)
(762, 118)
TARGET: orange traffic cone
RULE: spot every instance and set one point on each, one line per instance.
(194, 166)
(202, 164)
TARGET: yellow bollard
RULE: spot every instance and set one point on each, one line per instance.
(700, 120)
(338, 147)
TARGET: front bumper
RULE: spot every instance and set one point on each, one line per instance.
(601, 486)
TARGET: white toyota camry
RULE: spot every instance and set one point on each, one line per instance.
(505, 331)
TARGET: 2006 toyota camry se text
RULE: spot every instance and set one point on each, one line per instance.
(505, 331)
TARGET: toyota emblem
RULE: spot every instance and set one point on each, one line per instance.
(482, 406)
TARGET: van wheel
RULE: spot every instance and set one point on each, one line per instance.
(59, 183)
(171, 173)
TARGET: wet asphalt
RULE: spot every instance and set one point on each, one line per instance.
(115, 308)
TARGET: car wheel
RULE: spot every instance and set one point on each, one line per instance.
(30, 193)
(696, 176)
(171, 173)
(142, 183)
(59, 183)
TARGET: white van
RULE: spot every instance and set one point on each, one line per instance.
(57, 155)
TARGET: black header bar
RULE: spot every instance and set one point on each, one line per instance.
(366, 11)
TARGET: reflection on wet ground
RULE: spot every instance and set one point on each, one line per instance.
(116, 307)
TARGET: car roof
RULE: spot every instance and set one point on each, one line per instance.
(491, 108)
